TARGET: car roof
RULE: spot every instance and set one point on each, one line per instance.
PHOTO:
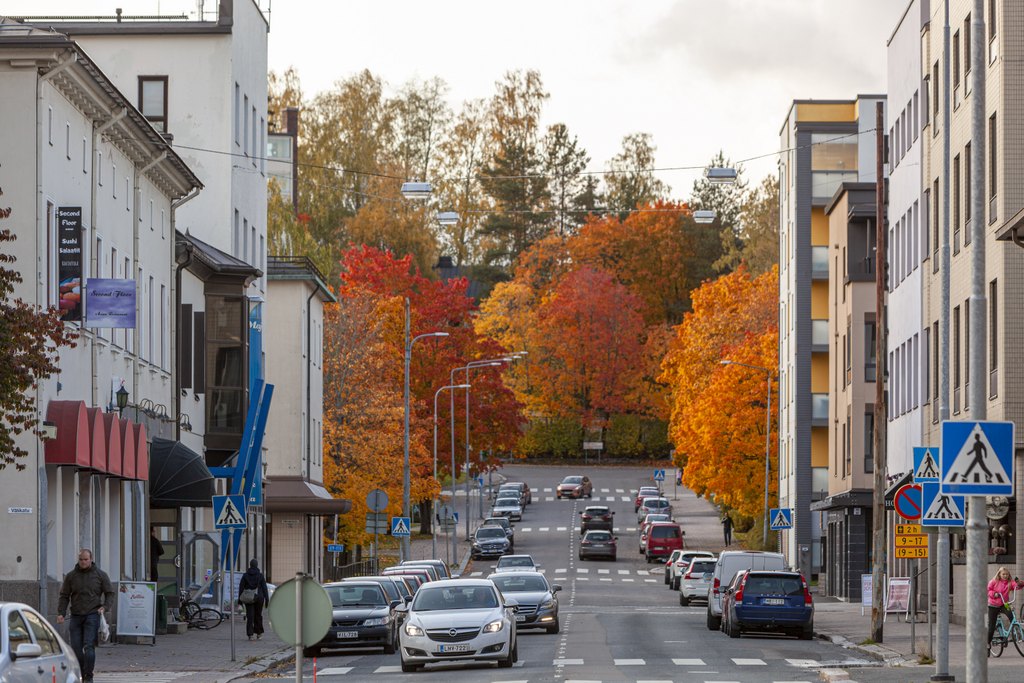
(665, 522)
(524, 572)
(454, 583)
(596, 531)
(774, 572)
(509, 557)
(597, 507)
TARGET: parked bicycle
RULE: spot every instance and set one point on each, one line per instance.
(198, 616)
(1008, 628)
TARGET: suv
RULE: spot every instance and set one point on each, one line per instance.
(596, 517)
(730, 562)
(645, 492)
(661, 506)
(505, 524)
(695, 583)
(511, 491)
(489, 541)
(662, 539)
(776, 601)
(679, 565)
(525, 495)
(575, 486)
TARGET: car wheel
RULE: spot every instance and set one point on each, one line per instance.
(675, 583)
(807, 632)
(508, 661)
(649, 558)
(683, 600)
(389, 648)
(581, 558)
(409, 667)
(310, 652)
(555, 627)
(732, 629)
(714, 623)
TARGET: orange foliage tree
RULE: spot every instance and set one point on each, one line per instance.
(718, 411)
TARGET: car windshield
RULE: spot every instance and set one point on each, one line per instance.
(515, 562)
(596, 511)
(573, 480)
(490, 532)
(653, 503)
(356, 595)
(655, 518)
(599, 536)
(517, 583)
(454, 597)
(496, 521)
(773, 585)
(647, 492)
(507, 502)
(665, 532)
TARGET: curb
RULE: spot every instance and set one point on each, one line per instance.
(888, 657)
(260, 665)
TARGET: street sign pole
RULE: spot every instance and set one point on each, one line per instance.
(298, 624)
(231, 593)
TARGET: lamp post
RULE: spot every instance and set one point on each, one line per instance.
(122, 400)
(433, 535)
(767, 437)
(405, 460)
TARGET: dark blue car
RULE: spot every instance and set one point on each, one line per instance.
(771, 601)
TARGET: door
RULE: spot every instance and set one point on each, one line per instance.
(53, 659)
(26, 670)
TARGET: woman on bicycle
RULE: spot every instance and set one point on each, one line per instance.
(998, 595)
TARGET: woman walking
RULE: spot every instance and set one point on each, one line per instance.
(998, 595)
(253, 594)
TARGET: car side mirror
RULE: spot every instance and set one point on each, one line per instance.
(613, 512)
(615, 538)
(555, 588)
(394, 604)
(580, 512)
(404, 607)
(683, 533)
(27, 651)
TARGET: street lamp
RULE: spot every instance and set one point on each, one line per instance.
(703, 216)
(767, 437)
(720, 176)
(405, 460)
(433, 535)
(122, 400)
(447, 218)
(416, 190)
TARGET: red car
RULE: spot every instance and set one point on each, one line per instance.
(662, 539)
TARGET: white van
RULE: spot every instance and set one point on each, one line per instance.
(730, 562)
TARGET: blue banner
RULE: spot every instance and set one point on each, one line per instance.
(255, 346)
(110, 303)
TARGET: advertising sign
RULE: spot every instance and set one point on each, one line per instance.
(110, 303)
(866, 588)
(136, 608)
(897, 597)
(69, 262)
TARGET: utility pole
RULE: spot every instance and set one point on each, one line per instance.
(878, 503)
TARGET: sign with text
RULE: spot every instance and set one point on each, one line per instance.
(136, 608)
(897, 596)
(915, 553)
(69, 262)
(110, 302)
(866, 590)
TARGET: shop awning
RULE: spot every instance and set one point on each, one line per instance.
(295, 494)
(178, 476)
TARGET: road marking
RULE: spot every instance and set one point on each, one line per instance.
(528, 528)
(477, 574)
(562, 528)
(620, 490)
(650, 581)
(624, 572)
(387, 669)
(604, 571)
(643, 573)
(547, 490)
(632, 528)
(625, 499)
(688, 662)
(583, 578)
(583, 570)
(562, 661)
(628, 581)
(803, 663)
(544, 528)
(630, 662)
(609, 580)
(604, 490)
(609, 499)
(137, 676)
(748, 662)
(548, 499)
(335, 671)
(561, 570)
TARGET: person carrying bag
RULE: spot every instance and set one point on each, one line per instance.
(253, 595)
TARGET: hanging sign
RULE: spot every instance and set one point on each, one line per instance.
(69, 262)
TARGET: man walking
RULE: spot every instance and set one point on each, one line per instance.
(89, 593)
(727, 528)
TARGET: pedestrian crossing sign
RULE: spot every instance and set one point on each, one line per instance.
(977, 458)
(229, 512)
(659, 475)
(400, 526)
(926, 465)
(781, 519)
(941, 509)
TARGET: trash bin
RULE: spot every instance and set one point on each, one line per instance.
(161, 614)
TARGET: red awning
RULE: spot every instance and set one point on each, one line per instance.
(141, 453)
(127, 449)
(97, 439)
(72, 445)
(112, 428)
(88, 438)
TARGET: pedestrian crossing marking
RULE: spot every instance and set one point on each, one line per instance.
(976, 454)
(604, 580)
(624, 571)
(477, 574)
(543, 528)
(803, 663)
(562, 661)
(689, 662)
(625, 499)
(630, 662)
(387, 669)
(650, 581)
(609, 499)
(583, 570)
(928, 469)
(141, 676)
(527, 529)
(562, 528)
(604, 571)
(748, 662)
(620, 490)
(335, 671)
(561, 570)
(604, 490)
(629, 580)
(230, 516)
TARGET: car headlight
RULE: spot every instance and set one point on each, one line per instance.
(494, 626)
(547, 604)
(412, 629)
(377, 621)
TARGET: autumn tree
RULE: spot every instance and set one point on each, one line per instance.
(283, 92)
(758, 243)
(30, 339)
(630, 181)
(718, 411)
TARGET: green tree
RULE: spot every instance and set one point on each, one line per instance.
(564, 162)
(758, 244)
(630, 181)
(727, 203)
(289, 235)
(29, 341)
(463, 153)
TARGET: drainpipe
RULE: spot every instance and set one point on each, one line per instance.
(176, 298)
(309, 375)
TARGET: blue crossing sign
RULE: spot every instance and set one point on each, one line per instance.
(977, 458)
(781, 519)
(229, 512)
(926, 465)
(400, 526)
(941, 509)
(659, 475)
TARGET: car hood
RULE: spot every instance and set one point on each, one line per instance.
(529, 597)
(508, 508)
(463, 618)
(360, 612)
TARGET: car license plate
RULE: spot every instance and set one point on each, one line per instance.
(453, 648)
(520, 617)
(348, 634)
(774, 601)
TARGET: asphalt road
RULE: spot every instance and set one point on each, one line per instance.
(619, 620)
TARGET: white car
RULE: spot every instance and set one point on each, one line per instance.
(458, 620)
(507, 507)
(31, 646)
(516, 563)
(680, 563)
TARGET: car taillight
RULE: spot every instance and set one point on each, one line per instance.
(738, 595)
(808, 600)
(586, 543)
(668, 563)
(715, 586)
(689, 574)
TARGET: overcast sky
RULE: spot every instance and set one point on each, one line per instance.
(698, 75)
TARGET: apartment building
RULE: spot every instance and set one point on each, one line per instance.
(823, 143)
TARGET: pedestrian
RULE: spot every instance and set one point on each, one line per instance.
(998, 595)
(88, 592)
(156, 551)
(254, 581)
(727, 528)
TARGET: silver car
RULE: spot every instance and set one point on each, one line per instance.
(507, 507)
(31, 645)
(458, 620)
(538, 604)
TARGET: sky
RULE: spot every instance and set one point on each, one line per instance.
(698, 75)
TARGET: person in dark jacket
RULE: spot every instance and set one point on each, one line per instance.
(156, 551)
(88, 592)
(253, 579)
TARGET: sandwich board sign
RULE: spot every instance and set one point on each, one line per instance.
(941, 509)
(977, 458)
(926, 465)
(782, 518)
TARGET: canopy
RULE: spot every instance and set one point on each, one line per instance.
(178, 476)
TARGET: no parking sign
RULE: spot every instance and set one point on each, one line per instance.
(908, 503)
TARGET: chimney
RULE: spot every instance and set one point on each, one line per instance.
(291, 121)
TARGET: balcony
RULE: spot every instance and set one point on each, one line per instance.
(819, 263)
(819, 410)
(860, 270)
(819, 336)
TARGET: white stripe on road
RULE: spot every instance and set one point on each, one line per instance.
(650, 581)
(625, 499)
(748, 662)
(544, 528)
(568, 662)
(527, 529)
(620, 490)
(583, 570)
(629, 662)
(624, 572)
(603, 490)
(643, 573)
(604, 571)
(334, 671)
(628, 581)
(803, 663)
(561, 570)
(387, 669)
(547, 490)
(139, 676)
(562, 528)
(689, 662)
(477, 574)
(604, 580)
(548, 499)
(609, 499)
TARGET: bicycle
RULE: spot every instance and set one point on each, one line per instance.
(197, 616)
(1008, 628)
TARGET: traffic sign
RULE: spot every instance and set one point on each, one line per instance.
(941, 509)
(913, 553)
(977, 458)
(907, 502)
(782, 518)
(659, 475)
(400, 526)
(336, 547)
(376, 500)
(926, 464)
(316, 611)
(229, 511)
(911, 541)
(376, 523)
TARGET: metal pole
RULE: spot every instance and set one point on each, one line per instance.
(878, 502)
(467, 454)
(405, 441)
(767, 461)
(298, 627)
(455, 531)
(977, 526)
(433, 519)
(913, 607)
(928, 610)
(231, 590)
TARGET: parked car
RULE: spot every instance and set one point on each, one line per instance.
(394, 587)
(598, 543)
(507, 507)
(511, 563)
(362, 618)
(662, 539)
(729, 562)
(696, 581)
(489, 541)
(646, 524)
(31, 645)
(442, 568)
(681, 564)
(512, 491)
(669, 563)
(645, 492)
(661, 506)
(575, 486)
(522, 487)
(536, 598)
(727, 594)
(458, 620)
(418, 574)
(770, 601)
(596, 517)
(506, 524)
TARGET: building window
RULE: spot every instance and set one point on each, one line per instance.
(956, 359)
(819, 332)
(914, 387)
(924, 218)
(67, 140)
(936, 218)
(235, 113)
(967, 352)
(819, 407)
(99, 169)
(153, 100)
(956, 63)
(967, 194)
(870, 350)
(113, 180)
(914, 122)
(967, 53)
(225, 363)
(956, 204)
(935, 97)
(869, 438)
(993, 338)
(926, 350)
(163, 326)
(935, 360)
(993, 156)
(819, 260)
(925, 100)
(49, 126)
(150, 315)
(85, 156)
(245, 124)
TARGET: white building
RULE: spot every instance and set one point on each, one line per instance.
(85, 173)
